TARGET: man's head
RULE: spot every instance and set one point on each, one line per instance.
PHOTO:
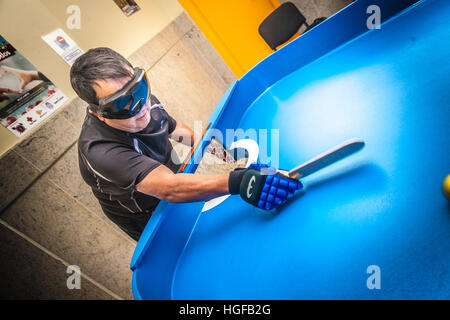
(100, 73)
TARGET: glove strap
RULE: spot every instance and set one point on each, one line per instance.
(234, 180)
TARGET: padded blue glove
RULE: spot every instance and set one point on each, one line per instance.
(262, 186)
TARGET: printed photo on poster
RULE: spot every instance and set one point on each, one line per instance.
(128, 7)
(26, 95)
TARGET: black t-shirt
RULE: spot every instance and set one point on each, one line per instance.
(113, 162)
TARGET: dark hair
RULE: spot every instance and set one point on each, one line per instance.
(97, 64)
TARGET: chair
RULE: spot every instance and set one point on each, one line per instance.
(282, 24)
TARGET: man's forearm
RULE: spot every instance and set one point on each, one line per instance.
(196, 187)
(163, 184)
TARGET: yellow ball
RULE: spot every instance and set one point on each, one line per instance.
(446, 187)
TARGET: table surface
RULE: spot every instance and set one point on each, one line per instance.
(382, 206)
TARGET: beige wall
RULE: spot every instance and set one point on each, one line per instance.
(23, 22)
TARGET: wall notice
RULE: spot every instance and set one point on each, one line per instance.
(26, 95)
(59, 41)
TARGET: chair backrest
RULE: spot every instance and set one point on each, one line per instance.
(281, 24)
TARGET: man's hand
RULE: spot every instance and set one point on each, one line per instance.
(262, 186)
(24, 76)
(4, 93)
(259, 185)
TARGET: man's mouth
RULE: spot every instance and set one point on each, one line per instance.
(144, 113)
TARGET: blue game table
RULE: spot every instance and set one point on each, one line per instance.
(379, 212)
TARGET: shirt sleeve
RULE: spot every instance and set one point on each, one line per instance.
(119, 164)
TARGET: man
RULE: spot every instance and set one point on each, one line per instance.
(125, 155)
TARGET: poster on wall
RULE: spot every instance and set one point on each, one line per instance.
(59, 41)
(26, 95)
(128, 7)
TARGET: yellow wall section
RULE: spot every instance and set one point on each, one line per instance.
(232, 28)
(23, 22)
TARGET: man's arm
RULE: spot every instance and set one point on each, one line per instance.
(163, 184)
(183, 134)
(266, 190)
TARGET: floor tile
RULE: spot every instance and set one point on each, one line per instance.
(48, 142)
(210, 54)
(332, 6)
(184, 23)
(187, 86)
(313, 9)
(75, 112)
(27, 272)
(151, 52)
(16, 174)
(56, 221)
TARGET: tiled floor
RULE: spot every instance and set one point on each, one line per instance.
(49, 218)
(313, 9)
(32, 273)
